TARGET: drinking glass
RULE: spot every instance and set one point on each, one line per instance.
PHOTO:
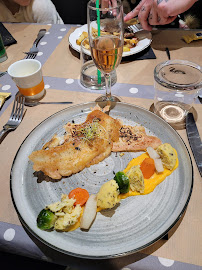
(105, 31)
(3, 55)
(177, 83)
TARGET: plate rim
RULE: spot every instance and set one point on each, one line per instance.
(125, 54)
(117, 255)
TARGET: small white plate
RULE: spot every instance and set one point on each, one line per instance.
(142, 44)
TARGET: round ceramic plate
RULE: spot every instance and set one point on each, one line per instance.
(136, 222)
(142, 44)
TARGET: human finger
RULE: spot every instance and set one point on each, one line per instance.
(172, 8)
(131, 15)
(105, 3)
(143, 17)
(152, 18)
(163, 21)
(114, 3)
(158, 19)
(134, 12)
(109, 4)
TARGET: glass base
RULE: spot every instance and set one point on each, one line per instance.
(108, 99)
(89, 78)
(3, 58)
(173, 113)
(104, 101)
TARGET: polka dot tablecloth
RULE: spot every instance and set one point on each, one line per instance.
(46, 47)
(137, 91)
(119, 89)
(15, 239)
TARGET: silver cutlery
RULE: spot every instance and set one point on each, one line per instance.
(15, 117)
(168, 53)
(194, 140)
(133, 25)
(133, 28)
(2, 73)
(140, 33)
(34, 50)
(33, 104)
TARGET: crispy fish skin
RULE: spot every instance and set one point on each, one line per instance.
(72, 153)
(134, 139)
(110, 125)
(76, 153)
(69, 158)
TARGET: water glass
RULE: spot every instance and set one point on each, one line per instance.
(176, 85)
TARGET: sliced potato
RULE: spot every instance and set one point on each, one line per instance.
(152, 153)
(158, 165)
(126, 49)
(89, 213)
(133, 41)
(82, 36)
(128, 43)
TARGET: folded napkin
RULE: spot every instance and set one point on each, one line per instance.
(7, 38)
(145, 54)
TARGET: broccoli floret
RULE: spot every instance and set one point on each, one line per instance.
(46, 219)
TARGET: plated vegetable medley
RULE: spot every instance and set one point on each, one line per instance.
(140, 177)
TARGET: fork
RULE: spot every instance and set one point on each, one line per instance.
(15, 117)
(34, 50)
(133, 28)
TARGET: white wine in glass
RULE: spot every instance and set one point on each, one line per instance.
(105, 31)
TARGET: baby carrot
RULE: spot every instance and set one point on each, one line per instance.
(147, 167)
(80, 195)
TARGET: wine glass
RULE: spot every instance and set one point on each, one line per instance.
(105, 31)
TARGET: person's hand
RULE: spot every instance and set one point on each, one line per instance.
(158, 12)
(143, 8)
(107, 3)
(149, 14)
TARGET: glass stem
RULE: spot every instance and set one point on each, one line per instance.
(108, 86)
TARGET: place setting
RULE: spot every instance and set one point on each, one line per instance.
(72, 136)
(105, 176)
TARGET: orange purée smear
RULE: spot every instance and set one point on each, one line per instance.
(80, 195)
(150, 184)
(147, 167)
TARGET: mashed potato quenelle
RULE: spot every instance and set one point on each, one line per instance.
(168, 155)
(65, 215)
(108, 195)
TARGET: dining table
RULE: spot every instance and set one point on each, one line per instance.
(181, 247)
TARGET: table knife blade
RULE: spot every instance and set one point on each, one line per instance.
(194, 140)
(168, 53)
(41, 33)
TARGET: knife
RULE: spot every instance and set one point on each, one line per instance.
(33, 104)
(194, 140)
(168, 53)
(34, 49)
